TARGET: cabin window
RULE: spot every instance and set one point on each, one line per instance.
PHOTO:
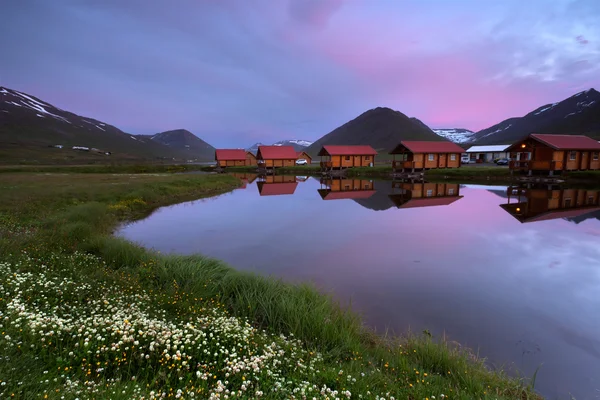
(567, 202)
(347, 187)
(429, 192)
(452, 157)
(595, 156)
(451, 191)
(367, 186)
(573, 155)
(430, 157)
(347, 158)
(591, 200)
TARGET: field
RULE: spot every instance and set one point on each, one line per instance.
(86, 315)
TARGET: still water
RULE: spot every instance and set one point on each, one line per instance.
(515, 277)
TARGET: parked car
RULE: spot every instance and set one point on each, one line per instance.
(465, 159)
(503, 161)
(301, 161)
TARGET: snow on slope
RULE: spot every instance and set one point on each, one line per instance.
(455, 135)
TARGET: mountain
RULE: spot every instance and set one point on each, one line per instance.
(456, 135)
(297, 144)
(35, 131)
(185, 142)
(581, 218)
(576, 115)
(382, 128)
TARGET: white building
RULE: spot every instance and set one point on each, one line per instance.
(488, 153)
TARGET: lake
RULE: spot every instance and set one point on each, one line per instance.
(513, 274)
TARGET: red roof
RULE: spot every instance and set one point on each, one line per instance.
(349, 194)
(429, 201)
(273, 189)
(428, 147)
(567, 142)
(276, 153)
(347, 151)
(230, 154)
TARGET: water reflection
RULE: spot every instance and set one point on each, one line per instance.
(275, 185)
(423, 194)
(528, 203)
(346, 188)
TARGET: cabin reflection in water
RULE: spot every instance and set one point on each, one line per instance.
(532, 204)
(245, 177)
(273, 185)
(346, 188)
(423, 194)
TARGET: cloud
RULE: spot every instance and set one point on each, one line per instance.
(315, 13)
(581, 40)
(236, 72)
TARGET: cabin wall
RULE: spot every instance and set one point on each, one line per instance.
(250, 160)
(572, 164)
(559, 160)
(453, 163)
(231, 163)
(351, 161)
(595, 160)
(279, 163)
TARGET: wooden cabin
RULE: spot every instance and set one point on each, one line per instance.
(426, 155)
(303, 154)
(274, 185)
(276, 156)
(543, 203)
(423, 194)
(250, 158)
(554, 153)
(340, 157)
(230, 157)
(346, 188)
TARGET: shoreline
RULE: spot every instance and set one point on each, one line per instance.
(81, 220)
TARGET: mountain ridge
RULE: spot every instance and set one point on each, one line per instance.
(33, 130)
(578, 114)
(382, 128)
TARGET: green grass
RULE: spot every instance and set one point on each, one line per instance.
(108, 169)
(59, 260)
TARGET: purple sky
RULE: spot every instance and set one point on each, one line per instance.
(236, 72)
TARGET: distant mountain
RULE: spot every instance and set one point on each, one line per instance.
(297, 144)
(185, 141)
(577, 115)
(32, 130)
(381, 128)
(456, 135)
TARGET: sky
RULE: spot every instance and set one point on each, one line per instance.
(235, 72)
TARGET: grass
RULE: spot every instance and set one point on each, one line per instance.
(86, 314)
(108, 168)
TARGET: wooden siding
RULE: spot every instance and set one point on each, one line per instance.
(537, 156)
(231, 163)
(422, 161)
(347, 161)
(279, 163)
(250, 159)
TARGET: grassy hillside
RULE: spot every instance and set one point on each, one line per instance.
(30, 126)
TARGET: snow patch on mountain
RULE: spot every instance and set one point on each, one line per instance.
(455, 135)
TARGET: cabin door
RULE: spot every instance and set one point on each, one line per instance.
(442, 162)
(585, 163)
(356, 162)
